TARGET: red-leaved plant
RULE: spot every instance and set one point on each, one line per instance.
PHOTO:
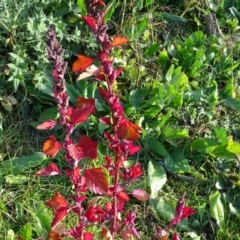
(112, 178)
(121, 137)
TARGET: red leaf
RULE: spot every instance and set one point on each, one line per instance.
(96, 180)
(51, 146)
(81, 63)
(105, 120)
(89, 147)
(47, 125)
(88, 236)
(50, 170)
(187, 212)
(175, 236)
(54, 236)
(57, 201)
(80, 115)
(140, 194)
(90, 21)
(81, 101)
(59, 215)
(128, 130)
(118, 41)
(123, 196)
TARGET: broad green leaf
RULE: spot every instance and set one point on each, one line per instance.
(179, 80)
(51, 113)
(155, 146)
(152, 49)
(18, 165)
(156, 177)
(206, 145)
(233, 103)
(221, 134)
(10, 235)
(82, 7)
(27, 232)
(171, 133)
(235, 12)
(217, 208)
(176, 161)
(16, 179)
(234, 147)
(43, 218)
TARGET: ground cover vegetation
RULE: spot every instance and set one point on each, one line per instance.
(167, 106)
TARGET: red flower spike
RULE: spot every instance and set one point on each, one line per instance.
(57, 201)
(128, 130)
(140, 194)
(88, 236)
(74, 175)
(133, 172)
(47, 125)
(82, 63)
(96, 180)
(51, 146)
(88, 146)
(75, 153)
(80, 115)
(175, 236)
(50, 170)
(118, 41)
(81, 101)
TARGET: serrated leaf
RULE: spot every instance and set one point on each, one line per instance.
(217, 208)
(156, 177)
(96, 180)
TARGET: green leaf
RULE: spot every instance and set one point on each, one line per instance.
(163, 59)
(221, 134)
(179, 80)
(206, 145)
(217, 208)
(82, 7)
(43, 218)
(155, 146)
(176, 161)
(171, 18)
(16, 179)
(18, 165)
(110, 11)
(152, 49)
(169, 73)
(10, 235)
(233, 103)
(51, 113)
(156, 177)
(171, 133)
(27, 232)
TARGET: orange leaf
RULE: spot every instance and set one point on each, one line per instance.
(128, 130)
(51, 146)
(81, 63)
(118, 41)
(57, 201)
(84, 101)
(54, 236)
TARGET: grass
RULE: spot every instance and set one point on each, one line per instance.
(206, 101)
